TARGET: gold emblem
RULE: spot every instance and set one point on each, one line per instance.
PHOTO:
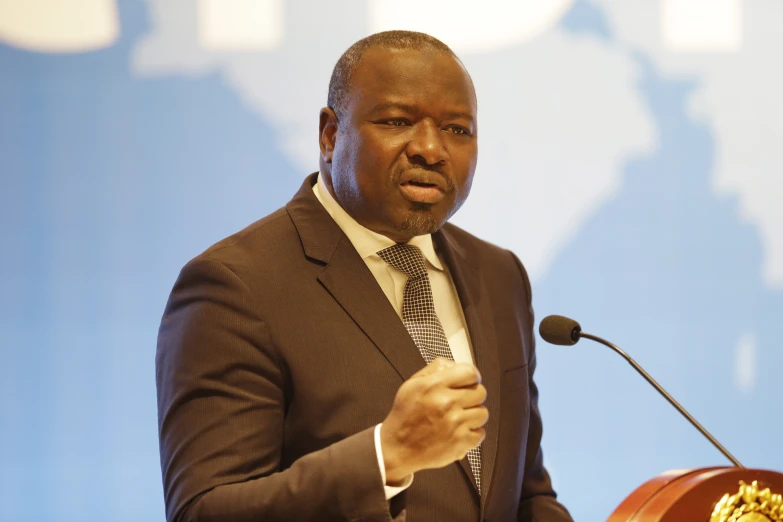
(749, 505)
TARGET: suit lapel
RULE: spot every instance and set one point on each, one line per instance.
(346, 277)
(478, 316)
(352, 285)
(349, 281)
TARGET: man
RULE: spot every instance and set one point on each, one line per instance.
(350, 357)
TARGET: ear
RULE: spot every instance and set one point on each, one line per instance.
(327, 133)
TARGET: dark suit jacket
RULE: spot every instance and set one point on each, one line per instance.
(277, 355)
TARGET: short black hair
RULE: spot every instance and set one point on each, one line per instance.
(340, 83)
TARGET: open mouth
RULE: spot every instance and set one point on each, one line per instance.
(421, 191)
(416, 183)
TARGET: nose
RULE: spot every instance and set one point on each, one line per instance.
(426, 144)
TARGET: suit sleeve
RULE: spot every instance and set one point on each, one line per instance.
(538, 502)
(221, 412)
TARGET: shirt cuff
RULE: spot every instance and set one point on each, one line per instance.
(391, 491)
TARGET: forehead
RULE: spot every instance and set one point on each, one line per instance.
(426, 78)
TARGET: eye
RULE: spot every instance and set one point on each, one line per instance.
(458, 130)
(395, 122)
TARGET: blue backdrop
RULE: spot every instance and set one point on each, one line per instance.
(637, 178)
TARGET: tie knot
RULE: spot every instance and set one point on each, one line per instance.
(408, 259)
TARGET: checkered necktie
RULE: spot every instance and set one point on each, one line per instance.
(418, 316)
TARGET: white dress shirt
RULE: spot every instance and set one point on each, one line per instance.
(447, 306)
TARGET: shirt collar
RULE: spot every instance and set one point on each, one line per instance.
(366, 242)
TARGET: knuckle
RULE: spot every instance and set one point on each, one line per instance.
(482, 393)
(454, 418)
(408, 388)
(430, 382)
(442, 403)
(462, 437)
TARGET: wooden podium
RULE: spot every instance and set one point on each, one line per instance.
(709, 495)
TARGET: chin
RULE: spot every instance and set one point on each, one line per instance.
(421, 223)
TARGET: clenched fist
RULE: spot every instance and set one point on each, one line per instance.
(437, 417)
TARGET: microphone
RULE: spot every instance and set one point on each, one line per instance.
(563, 331)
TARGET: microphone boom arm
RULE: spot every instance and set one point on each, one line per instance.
(666, 395)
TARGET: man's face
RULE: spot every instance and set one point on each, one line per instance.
(401, 158)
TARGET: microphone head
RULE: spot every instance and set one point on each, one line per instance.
(557, 329)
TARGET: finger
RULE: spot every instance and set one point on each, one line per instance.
(459, 375)
(472, 439)
(470, 396)
(475, 418)
(479, 436)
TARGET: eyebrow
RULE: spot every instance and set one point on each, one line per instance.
(459, 114)
(380, 107)
(393, 105)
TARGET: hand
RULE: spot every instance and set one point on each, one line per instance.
(436, 418)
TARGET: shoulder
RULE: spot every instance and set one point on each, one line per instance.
(270, 241)
(493, 261)
(467, 240)
(479, 250)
